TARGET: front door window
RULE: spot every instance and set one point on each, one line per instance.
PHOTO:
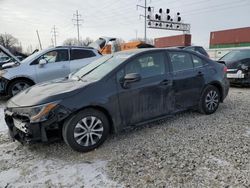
(56, 56)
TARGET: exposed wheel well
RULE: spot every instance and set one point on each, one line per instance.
(219, 87)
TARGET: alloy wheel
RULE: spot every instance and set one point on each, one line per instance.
(20, 86)
(212, 100)
(88, 131)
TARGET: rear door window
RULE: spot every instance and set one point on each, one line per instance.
(181, 61)
(198, 62)
(81, 54)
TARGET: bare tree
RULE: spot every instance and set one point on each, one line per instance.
(119, 41)
(70, 42)
(74, 42)
(149, 40)
(87, 41)
(8, 41)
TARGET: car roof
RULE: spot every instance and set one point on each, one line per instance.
(141, 50)
(80, 47)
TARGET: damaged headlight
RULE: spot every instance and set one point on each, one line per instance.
(37, 113)
(244, 67)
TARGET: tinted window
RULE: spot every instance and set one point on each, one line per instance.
(81, 54)
(202, 51)
(147, 65)
(180, 61)
(198, 62)
(56, 56)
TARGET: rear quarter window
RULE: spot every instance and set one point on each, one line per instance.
(81, 54)
(197, 61)
(181, 61)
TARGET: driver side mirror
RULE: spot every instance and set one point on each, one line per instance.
(130, 78)
(42, 62)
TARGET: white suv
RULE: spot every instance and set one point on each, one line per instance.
(42, 66)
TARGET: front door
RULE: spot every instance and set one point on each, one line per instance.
(151, 97)
(57, 65)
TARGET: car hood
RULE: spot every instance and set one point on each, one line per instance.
(236, 64)
(47, 92)
(8, 53)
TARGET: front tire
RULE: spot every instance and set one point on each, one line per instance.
(210, 100)
(17, 86)
(86, 130)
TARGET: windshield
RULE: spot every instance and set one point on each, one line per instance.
(236, 55)
(101, 67)
(33, 56)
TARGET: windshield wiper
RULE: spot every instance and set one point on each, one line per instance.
(79, 78)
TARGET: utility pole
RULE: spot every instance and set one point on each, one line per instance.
(40, 44)
(52, 42)
(54, 34)
(145, 18)
(77, 19)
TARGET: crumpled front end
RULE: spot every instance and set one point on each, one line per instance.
(23, 130)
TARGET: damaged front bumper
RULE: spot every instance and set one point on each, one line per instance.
(22, 130)
(238, 77)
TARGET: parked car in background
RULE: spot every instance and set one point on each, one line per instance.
(7, 56)
(198, 49)
(116, 91)
(4, 59)
(238, 64)
(44, 65)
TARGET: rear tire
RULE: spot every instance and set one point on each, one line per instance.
(210, 100)
(17, 86)
(86, 130)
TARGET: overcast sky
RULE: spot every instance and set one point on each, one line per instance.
(115, 18)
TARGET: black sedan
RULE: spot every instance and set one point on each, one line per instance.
(116, 91)
(238, 64)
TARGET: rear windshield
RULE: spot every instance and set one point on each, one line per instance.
(236, 55)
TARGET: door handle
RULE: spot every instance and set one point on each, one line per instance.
(200, 74)
(164, 82)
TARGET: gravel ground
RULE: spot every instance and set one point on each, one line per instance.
(188, 150)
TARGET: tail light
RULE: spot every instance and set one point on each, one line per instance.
(225, 69)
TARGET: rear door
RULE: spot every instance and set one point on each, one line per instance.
(188, 80)
(80, 58)
(150, 97)
(57, 65)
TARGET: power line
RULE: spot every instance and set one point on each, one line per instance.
(215, 10)
(54, 34)
(215, 6)
(76, 18)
